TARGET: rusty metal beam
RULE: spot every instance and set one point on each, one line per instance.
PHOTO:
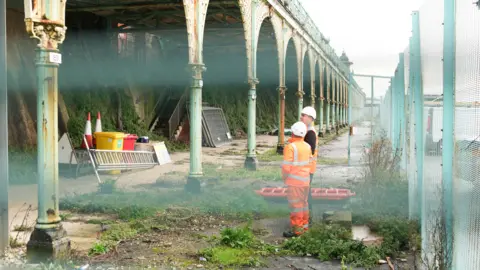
(138, 6)
(176, 28)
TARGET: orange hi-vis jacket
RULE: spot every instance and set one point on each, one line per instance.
(296, 163)
(313, 158)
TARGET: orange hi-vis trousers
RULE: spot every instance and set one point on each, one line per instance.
(298, 203)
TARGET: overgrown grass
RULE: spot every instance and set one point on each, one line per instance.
(236, 204)
(221, 173)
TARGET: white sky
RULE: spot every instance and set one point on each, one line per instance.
(372, 33)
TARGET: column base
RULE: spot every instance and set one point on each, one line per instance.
(280, 149)
(251, 163)
(321, 134)
(47, 244)
(328, 131)
(193, 185)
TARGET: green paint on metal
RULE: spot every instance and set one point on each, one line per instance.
(251, 123)
(418, 100)
(300, 106)
(320, 116)
(47, 140)
(448, 119)
(350, 86)
(196, 125)
(371, 109)
(412, 212)
(401, 108)
(328, 116)
(252, 93)
(395, 111)
(4, 181)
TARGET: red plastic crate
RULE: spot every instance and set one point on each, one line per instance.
(129, 142)
(330, 194)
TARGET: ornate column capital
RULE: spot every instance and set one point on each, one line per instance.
(300, 94)
(47, 33)
(253, 82)
(196, 69)
(282, 90)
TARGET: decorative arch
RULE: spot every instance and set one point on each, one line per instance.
(195, 51)
(252, 31)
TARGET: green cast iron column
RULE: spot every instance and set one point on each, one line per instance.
(329, 100)
(251, 159)
(320, 117)
(300, 103)
(334, 101)
(349, 116)
(344, 105)
(320, 109)
(47, 140)
(195, 127)
(197, 67)
(339, 104)
(48, 234)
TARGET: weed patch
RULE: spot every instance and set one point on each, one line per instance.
(334, 242)
(237, 247)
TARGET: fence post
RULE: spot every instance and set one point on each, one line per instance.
(412, 187)
(401, 109)
(4, 225)
(448, 119)
(418, 101)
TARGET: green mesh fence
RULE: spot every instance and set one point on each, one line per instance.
(436, 96)
(467, 137)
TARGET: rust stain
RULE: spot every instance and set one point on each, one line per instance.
(51, 215)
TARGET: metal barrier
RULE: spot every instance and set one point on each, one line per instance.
(109, 160)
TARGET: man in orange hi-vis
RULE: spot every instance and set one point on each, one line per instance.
(296, 175)
(308, 118)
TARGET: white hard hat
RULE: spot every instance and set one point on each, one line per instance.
(299, 129)
(310, 111)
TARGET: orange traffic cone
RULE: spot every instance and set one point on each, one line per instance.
(88, 133)
(98, 126)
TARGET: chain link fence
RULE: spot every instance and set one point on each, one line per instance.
(435, 94)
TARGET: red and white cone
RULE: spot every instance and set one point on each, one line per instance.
(88, 133)
(98, 126)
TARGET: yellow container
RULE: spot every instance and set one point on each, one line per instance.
(109, 140)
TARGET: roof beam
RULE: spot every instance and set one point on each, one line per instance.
(136, 6)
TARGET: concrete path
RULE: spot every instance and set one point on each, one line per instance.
(340, 175)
